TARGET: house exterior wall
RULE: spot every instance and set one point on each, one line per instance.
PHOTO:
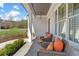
(40, 24)
(51, 15)
(72, 47)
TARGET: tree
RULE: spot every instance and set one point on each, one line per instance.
(23, 24)
(0, 22)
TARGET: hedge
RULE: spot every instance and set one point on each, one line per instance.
(10, 49)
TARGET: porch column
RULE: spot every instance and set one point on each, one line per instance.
(67, 23)
(30, 28)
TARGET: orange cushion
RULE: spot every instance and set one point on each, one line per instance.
(58, 45)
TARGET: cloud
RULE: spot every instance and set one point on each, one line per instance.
(6, 17)
(24, 18)
(2, 10)
(0, 15)
(1, 5)
(15, 19)
(16, 7)
(12, 14)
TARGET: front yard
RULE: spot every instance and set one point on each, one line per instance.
(13, 33)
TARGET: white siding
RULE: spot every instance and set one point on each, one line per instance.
(50, 15)
(40, 25)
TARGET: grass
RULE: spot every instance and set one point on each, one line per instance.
(13, 32)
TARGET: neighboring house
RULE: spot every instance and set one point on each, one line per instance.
(57, 18)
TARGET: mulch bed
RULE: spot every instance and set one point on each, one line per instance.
(4, 38)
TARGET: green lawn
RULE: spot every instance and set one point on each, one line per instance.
(12, 32)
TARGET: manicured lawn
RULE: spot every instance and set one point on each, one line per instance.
(13, 33)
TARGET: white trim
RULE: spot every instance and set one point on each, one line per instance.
(67, 23)
(57, 24)
(30, 27)
(73, 16)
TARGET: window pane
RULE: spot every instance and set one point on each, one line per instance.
(74, 29)
(62, 12)
(73, 9)
(62, 28)
(56, 16)
(71, 35)
(70, 9)
(76, 8)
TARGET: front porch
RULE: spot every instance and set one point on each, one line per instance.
(56, 18)
(34, 48)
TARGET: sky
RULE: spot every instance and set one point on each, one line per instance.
(14, 11)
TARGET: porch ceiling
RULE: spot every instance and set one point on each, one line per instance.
(40, 8)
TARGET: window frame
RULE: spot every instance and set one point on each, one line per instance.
(63, 17)
(67, 22)
(72, 44)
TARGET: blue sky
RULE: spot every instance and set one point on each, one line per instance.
(15, 11)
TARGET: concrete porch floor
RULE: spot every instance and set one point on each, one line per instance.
(34, 48)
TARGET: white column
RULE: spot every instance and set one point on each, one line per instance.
(67, 23)
(30, 28)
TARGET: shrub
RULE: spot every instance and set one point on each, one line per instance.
(10, 49)
(18, 43)
(2, 52)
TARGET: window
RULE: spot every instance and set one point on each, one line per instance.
(62, 27)
(74, 23)
(70, 9)
(75, 8)
(73, 18)
(62, 12)
(61, 19)
(74, 28)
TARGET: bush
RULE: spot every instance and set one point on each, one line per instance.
(10, 49)
(18, 43)
(2, 52)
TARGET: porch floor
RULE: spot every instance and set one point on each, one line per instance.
(34, 48)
